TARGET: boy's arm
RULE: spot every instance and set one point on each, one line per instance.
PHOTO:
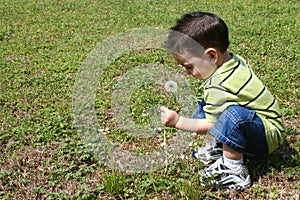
(172, 119)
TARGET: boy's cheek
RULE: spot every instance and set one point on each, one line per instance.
(206, 71)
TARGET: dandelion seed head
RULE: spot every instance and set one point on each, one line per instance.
(170, 86)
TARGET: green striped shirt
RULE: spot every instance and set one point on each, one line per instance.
(234, 83)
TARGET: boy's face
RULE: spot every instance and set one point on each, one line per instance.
(199, 67)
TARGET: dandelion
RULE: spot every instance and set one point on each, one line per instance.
(171, 86)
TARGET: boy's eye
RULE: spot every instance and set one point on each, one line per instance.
(188, 67)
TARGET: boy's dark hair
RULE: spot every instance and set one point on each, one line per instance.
(207, 29)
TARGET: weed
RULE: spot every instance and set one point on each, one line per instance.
(114, 182)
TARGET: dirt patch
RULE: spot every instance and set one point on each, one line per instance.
(293, 123)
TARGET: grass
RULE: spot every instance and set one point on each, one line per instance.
(43, 45)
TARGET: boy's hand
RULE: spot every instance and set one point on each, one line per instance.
(169, 117)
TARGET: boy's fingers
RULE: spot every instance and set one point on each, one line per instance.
(163, 117)
(163, 114)
(163, 109)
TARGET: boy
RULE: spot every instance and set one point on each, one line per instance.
(237, 109)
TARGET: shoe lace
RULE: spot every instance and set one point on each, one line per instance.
(219, 163)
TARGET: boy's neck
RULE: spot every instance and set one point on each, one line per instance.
(223, 58)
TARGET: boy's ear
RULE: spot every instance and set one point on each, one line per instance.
(212, 54)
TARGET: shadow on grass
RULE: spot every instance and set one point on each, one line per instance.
(285, 158)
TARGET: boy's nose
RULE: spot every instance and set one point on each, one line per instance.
(196, 74)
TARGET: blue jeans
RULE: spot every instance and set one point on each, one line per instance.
(199, 112)
(238, 127)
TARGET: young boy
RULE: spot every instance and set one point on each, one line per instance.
(237, 109)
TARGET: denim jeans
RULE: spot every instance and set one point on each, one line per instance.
(199, 112)
(238, 127)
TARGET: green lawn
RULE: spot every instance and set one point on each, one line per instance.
(44, 47)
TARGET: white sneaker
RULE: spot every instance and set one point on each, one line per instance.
(209, 153)
(220, 175)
